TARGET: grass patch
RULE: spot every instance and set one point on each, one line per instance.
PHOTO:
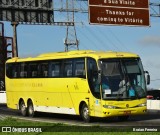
(59, 128)
(9, 121)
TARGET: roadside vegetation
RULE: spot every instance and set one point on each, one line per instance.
(40, 128)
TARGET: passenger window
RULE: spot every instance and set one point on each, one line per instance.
(55, 69)
(33, 70)
(23, 70)
(68, 64)
(15, 71)
(44, 70)
(80, 68)
(9, 68)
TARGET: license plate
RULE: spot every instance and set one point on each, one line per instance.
(127, 112)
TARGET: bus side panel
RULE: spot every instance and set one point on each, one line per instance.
(78, 91)
(65, 93)
(13, 92)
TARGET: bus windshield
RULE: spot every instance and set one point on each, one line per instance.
(122, 79)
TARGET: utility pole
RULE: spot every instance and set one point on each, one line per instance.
(6, 52)
(71, 40)
(15, 46)
(2, 57)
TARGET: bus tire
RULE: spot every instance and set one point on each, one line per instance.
(31, 112)
(123, 118)
(84, 112)
(23, 108)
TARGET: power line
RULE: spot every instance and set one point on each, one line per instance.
(156, 80)
(100, 41)
(108, 39)
(118, 40)
(88, 38)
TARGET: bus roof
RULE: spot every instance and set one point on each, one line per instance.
(77, 54)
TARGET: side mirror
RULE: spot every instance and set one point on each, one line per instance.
(147, 77)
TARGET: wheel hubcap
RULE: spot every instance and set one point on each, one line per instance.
(86, 113)
(23, 109)
(31, 110)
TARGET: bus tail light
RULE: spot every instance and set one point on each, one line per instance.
(149, 97)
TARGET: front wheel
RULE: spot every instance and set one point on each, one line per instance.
(85, 113)
(31, 112)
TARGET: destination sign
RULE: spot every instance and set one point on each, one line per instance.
(121, 3)
(119, 16)
(120, 12)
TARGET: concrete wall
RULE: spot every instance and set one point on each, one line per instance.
(153, 104)
(2, 97)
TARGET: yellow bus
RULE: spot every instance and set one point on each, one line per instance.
(86, 83)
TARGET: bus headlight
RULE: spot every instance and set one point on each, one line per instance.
(143, 104)
(109, 106)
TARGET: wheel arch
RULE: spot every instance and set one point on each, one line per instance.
(29, 101)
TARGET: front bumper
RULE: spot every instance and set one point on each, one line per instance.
(124, 112)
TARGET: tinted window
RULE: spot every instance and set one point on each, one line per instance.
(9, 68)
(55, 69)
(68, 68)
(23, 70)
(33, 70)
(80, 68)
(44, 69)
(15, 70)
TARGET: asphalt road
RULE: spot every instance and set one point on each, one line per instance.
(152, 118)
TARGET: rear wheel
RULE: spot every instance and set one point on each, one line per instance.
(85, 113)
(23, 108)
(31, 112)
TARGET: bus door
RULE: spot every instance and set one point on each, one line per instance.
(94, 85)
